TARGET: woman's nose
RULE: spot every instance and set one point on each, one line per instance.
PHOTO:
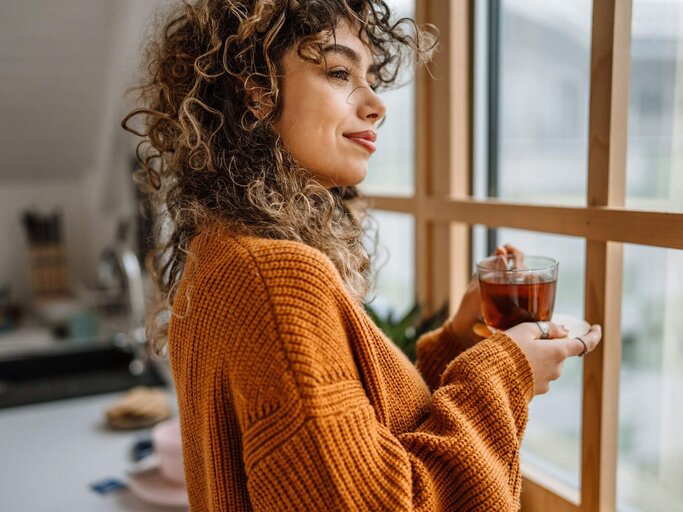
(372, 107)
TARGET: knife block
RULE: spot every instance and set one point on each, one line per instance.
(49, 272)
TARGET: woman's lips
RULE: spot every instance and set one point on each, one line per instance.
(369, 145)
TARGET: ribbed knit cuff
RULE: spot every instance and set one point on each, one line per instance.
(499, 358)
(435, 349)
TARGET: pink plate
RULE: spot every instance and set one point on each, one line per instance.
(153, 488)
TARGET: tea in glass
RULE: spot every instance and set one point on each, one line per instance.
(512, 293)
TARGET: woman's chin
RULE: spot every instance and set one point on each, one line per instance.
(345, 180)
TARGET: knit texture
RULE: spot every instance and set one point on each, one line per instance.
(291, 398)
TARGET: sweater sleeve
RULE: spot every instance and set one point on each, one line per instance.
(312, 441)
(435, 349)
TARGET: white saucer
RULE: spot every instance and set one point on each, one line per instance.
(150, 486)
(576, 326)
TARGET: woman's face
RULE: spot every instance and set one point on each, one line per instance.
(330, 113)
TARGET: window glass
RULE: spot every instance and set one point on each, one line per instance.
(654, 177)
(394, 264)
(391, 170)
(543, 97)
(650, 467)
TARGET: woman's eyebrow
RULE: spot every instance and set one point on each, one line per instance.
(349, 53)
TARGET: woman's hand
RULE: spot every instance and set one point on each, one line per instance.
(469, 312)
(547, 356)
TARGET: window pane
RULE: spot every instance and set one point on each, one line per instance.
(655, 123)
(650, 468)
(394, 264)
(552, 437)
(391, 170)
(543, 100)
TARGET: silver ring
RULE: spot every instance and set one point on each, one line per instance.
(585, 347)
(545, 330)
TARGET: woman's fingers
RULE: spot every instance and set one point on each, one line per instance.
(517, 254)
(537, 331)
(507, 252)
(553, 330)
(546, 347)
(502, 257)
(590, 339)
(544, 354)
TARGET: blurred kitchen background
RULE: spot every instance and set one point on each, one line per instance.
(73, 296)
(72, 227)
(72, 292)
(63, 68)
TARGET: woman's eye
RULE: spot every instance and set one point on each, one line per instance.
(341, 74)
(344, 74)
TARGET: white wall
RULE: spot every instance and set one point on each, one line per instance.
(97, 194)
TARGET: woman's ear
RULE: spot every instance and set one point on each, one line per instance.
(257, 100)
(261, 110)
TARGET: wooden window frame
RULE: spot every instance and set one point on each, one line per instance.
(444, 212)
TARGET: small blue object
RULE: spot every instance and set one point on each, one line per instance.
(107, 485)
(142, 449)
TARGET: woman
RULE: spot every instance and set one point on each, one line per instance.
(260, 117)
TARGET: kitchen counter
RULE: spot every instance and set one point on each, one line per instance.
(52, 452)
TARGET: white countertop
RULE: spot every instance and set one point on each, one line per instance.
(51, 452)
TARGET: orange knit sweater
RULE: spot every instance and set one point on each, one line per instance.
(290, 398)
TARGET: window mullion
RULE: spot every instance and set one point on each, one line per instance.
(610, 62)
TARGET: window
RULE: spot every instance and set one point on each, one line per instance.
(539, 120)
(541, 130)
(391, 171)
(392, 168)
(555, 37)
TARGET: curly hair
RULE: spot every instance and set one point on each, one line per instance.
(209, 153)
